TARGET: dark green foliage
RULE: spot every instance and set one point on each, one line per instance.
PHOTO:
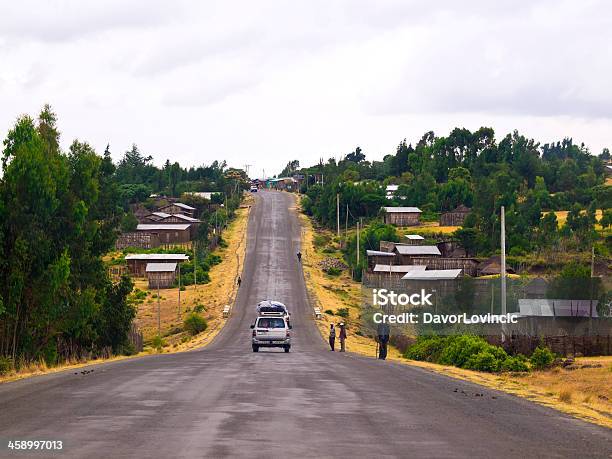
(329, 312)
(542, 358)
(465, 351)
(342, 312)
(333, 271)
(194, 324)
(6, 365)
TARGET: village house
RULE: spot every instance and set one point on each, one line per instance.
(406, 253)
(167, 233)
(402, 216)
(137, 262)
(414, 239)
(455, 217)
(161, 275)
(492, 266)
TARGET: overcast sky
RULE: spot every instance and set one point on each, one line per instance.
(262, 82)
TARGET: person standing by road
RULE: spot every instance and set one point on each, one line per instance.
(383, 340)
(332, 336)
(299, 256)
(239, 281)
(342, 337)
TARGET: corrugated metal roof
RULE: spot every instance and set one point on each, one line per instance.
(418, 250)
(161, 267)
(164, 226)
(183, 206)
(402, 210)
(557, 308)
(398, 268)
(378, 253)
(415, 237)
(160, 214)
(157, 256)
(433, 274)
(185, 217)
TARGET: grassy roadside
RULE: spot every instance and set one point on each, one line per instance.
(221, 290)
(583, 391)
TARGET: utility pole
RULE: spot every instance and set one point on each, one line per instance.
(158, 310)
(503, 261)
(346, 222)
(179, 292)
(338, 212)
(195, 265)
(357, 243)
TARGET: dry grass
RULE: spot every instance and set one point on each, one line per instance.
(562, 217)
(609, 181)
(426, 228)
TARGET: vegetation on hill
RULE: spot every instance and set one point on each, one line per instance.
(531, 180)
(60, 213)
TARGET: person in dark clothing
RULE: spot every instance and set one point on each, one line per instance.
(239, 282)
(332, 336)
(383, 340)
(342, 337)
(299, 255)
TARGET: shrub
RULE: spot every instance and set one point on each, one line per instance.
(516, 363)
(199, 308)
(194, 324)
(459, 349)
(128, 349)
(485, 360)
(6, 365)
(329, 312)
(333, 271)
(158, 343)
(342, 312)
(426, 348)
(565, 396)
(542, 358)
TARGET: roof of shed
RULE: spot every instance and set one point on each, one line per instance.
(157, 256)
(417, 250)
(161, 267)
(402, 210)
(433, 274)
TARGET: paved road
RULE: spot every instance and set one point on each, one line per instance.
(227, 401)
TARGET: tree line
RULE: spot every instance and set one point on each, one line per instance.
(60, 213)
(439, 173)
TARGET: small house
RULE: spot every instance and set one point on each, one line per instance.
(378, 257)
(161, 275)
(492, 266)
(168, 233)
(433, 274)
(414, 239)
(402, 216)
(455, 217)
(137, 262)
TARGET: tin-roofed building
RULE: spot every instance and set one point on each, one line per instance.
(402, 216)
(455, 217)
(433, 274)
(137, 262)
(406, 253)
(168, 233)
(161, 275)
(414, 239)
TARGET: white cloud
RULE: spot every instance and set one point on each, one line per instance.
(265, 82)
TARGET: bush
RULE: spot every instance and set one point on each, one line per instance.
(194, 324)
(542, 358)
(199, 308)
(128, 349)
(329, 312)
(343, 312)
(485, 360)
(459, 349)
(516, 363)
(158, 343)
(6, 365)
(333, 271)
(426, 348)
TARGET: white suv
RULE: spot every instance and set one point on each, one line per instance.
(271, 331)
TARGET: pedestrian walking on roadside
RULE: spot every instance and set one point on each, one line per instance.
(383, 339)
(342, 337)
(299, 255)
(239, 282)
(332, 336)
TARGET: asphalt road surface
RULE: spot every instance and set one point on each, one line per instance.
(225, 400)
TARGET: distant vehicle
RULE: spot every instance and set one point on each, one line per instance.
(271, 331)
(254, 189)
(273, 308)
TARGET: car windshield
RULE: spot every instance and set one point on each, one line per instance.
(272, 322)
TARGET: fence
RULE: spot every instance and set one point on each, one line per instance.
(563, 344)
(135, 338)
